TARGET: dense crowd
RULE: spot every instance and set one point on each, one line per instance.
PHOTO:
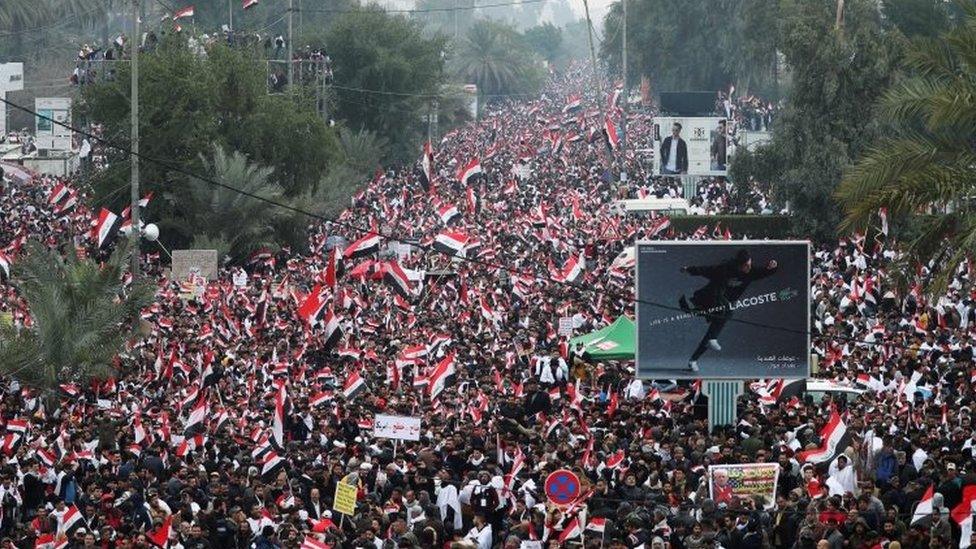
(255, 395)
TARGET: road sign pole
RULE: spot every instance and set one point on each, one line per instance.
(722, 396)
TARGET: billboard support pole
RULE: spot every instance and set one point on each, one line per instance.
(722, 396)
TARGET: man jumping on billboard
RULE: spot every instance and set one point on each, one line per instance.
(727, 281)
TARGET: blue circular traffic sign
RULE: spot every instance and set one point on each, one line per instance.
(562, 487)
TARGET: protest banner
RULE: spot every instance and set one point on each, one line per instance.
(396, 427)
(746, 480)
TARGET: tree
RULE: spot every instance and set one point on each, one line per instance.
(188, 104)
(387, 73)
(82, 316)
(925, 160)
(231, 222)
(837, 74)
(546, 40)
(677, 43)
(362, 151)
(496, 58)
(918, 17)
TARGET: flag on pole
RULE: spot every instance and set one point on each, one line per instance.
(185, 12)
(353, 386)
(247, 4)
(106, 228)
(832, 438)
(470, 170)
(924, 507)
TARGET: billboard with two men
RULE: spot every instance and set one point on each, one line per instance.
(689, 145)
(722, 309)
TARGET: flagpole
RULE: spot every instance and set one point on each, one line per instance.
(230, 15)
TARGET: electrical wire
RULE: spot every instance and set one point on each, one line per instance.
(427, 10)
(53, 25)
(428, 248)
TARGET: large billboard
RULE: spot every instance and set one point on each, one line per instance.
(691, 145)
(735, 309)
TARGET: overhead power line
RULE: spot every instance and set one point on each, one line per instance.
(424, 10)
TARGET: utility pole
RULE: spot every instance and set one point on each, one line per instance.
(626, 94)
(134, 154)
(291, 65)
(596, 70)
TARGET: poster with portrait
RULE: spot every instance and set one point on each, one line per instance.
(722, 309)
(727, 483)
(691, 145)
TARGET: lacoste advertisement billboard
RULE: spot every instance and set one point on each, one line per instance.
(723, 309)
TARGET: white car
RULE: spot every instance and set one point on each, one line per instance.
(818, 388)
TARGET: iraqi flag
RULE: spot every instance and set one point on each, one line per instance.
(185, 12)
(278, 425)
(353, 386)
(333, 268)
(833, 440)
(610, 130)
(70, 521)
(572, 530)
(366, 245)
(272, 464)
(106, 228)
(427, 165)
(4, 266)
(398, 279)
(447, 213)
(312, 543)
(924, 507)
(248, 4)
(312, 307)
(58, 193)
(450, 243)
(440, 376)
(597, 524)
(574, 104)
(160, 536)
(333, 332)
(572, 269)
(472, 169)
(197, 415)
(963, 514)
(658, 225)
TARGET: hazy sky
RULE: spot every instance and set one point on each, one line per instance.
(598, 8)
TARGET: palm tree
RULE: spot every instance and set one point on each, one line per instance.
(82, 316)
(926, 161)
(227, 220)
(17, 15)
(494, 57)
(362, 151)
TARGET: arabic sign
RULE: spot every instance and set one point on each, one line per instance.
(562, 487)
(743, 481)
(398, 427)
(345, 498)
(566, 326)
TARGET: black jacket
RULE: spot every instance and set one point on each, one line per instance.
(682, 161)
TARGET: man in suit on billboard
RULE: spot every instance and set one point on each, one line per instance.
(674, 153)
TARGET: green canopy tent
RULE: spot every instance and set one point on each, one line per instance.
(613, 342)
